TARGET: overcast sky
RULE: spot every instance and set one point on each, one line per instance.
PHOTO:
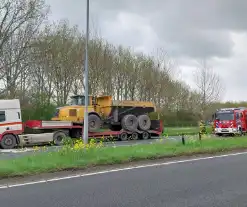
(187, 29)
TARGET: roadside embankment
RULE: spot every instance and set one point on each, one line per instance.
(80, 156)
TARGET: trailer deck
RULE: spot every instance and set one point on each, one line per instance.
(77, 129)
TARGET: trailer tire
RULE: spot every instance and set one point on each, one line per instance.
(94, 122)
(59, 137)
(134, 136)
(123, 136)
(8, 141)
(145, 135)
(144, 122)
(129, 122)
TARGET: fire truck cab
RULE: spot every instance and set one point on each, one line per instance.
(230, 121)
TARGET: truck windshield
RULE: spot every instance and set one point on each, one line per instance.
(225, 116)
(77, 100)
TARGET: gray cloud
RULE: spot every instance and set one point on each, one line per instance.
(210, 14)
(192, 28)
(186, 29)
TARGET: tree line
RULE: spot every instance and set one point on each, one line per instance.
(41, 63)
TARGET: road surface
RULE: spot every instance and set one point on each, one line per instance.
(218, 182)
(9, 154)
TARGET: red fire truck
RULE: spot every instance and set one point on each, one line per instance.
(230, 121)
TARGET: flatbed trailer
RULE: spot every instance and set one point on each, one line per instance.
(35, 132)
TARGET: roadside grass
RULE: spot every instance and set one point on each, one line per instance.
(176, 131)
(80, 156)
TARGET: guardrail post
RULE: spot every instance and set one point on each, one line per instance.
(183, 140)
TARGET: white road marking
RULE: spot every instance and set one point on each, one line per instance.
(24, 184)
(119, 170)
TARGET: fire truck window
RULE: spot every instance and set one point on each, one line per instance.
(225, 116)
(2, 116)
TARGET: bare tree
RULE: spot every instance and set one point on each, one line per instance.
(19, 22)
(208, 84)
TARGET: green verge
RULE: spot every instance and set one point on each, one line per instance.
(176, 131)
(68, 159)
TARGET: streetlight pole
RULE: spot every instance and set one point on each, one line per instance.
(85, 131)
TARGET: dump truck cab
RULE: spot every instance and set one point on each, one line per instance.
(99, 106)
(79, 100)
(75, 110)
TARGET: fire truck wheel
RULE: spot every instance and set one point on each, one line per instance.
(59, 137)
(144, 122)
(8, 141)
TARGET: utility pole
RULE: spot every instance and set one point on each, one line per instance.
(85, 131)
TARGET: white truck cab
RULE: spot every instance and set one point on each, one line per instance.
(10, 119)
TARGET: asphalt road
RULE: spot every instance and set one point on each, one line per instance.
(219, 182)
(9, 154)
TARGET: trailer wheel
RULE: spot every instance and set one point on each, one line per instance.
(134, 136)
(94, 122)
(8, 141)
(59, 137)
(129, 122)
(144, 122)
(145, 135)
(123, 136)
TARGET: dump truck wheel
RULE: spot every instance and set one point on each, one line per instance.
(8, 141)
(94, 122)
(144, 122)
(129, 122)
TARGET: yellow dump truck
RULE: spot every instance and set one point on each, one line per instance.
(128, 115)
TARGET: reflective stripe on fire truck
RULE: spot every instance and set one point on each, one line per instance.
(217, 125)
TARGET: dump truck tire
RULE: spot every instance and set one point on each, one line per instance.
(94, 122)
(144, 122)
(129, 122)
